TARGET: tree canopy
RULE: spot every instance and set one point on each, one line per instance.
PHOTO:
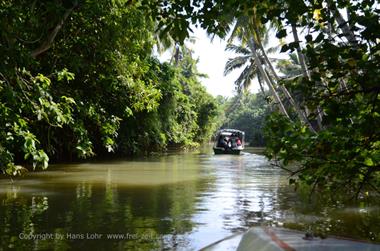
(329, 115)
(79, 79)
(247, 112)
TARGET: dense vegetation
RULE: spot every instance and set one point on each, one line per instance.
(327, 119)
(78, 79)
(337, 145)
(247, 112)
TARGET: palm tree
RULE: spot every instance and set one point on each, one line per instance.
(245, 58)
(252, 58)
(166, 42)
(251, 32)
(291, 67)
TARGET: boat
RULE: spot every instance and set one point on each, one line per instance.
(280, 239)
(229, 141)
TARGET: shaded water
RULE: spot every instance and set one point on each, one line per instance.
(181, 201)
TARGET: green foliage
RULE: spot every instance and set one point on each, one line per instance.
(203, 104)
(342, 94)
(187, 114)
(337, 158)
(248, 115)
(339, 96)
(24, 106)
(91, 86)
(115, 97)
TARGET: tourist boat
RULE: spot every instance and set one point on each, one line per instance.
(280, 239)
(229, 141)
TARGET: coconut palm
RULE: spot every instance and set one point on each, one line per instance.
(245, 59)
(253, 35)
(252, 58)
(166, 42)
(291, 67)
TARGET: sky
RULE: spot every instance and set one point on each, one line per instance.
(212, 59)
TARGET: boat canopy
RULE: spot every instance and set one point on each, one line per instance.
(229, 132)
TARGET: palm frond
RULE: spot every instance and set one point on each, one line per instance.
(164, 41)
(244, 80)
(252, 73)
(273, 49)
(272, 59)
(239, 29)
(264, 35)
(289, 68)
(238, 49)
(235, 30)
(234, 63)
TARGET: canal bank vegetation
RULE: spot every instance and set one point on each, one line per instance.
(247, 112)
(326, 115)
(79, 79)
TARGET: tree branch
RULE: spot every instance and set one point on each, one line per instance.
(50, 39)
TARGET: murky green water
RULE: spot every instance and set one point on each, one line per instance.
(182, 201)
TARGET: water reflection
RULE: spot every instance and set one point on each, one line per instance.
(175, 202)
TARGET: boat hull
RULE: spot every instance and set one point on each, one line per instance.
(227, 151)
(280, 239)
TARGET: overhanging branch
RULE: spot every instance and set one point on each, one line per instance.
(50, 39)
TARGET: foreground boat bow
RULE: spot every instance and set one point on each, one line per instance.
(280, 239)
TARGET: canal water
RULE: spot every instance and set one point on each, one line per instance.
(179, 201)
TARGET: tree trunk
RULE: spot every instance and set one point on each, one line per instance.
(301, 57)
(176, 55)
(260, 83)
(268, 81)
(343, 24)
(302, 116)
(305, 72)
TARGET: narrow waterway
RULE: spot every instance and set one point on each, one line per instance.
(180, 201)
